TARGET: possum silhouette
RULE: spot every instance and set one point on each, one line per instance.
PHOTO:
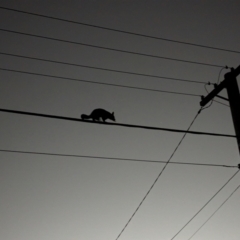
(98, 114)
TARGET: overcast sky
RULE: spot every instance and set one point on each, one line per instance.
(71, 198)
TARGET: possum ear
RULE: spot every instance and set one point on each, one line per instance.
(112, 113)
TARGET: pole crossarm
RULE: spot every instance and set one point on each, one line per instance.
(228, 77)
(115, 124)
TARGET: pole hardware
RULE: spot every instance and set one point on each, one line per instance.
(231, 85)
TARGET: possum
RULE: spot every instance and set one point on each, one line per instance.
(98, 114)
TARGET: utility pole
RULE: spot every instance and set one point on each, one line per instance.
(231, 85)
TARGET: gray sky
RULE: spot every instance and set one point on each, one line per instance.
(64, 198)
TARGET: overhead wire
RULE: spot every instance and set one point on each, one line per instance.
(119, 31)
(114, 158)
(220, 188)
(123, 51)
(94, 67)
(99, 68)
(110, 49)
(214, 213)
(115, 124)
(205, 204)
(159, 175)
(142, 54)
(101, 83)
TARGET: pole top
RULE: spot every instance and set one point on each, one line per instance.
(218, 88)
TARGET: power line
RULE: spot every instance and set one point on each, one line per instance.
(206, 204)
(115, 158)
(159, 175)
(101, 83)
(121, 31)
(214, 212)
(110, 49)
(115, 124)
(98, 68)
(108, 84)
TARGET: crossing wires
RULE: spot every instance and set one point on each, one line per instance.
(159, 175)
(206, 204)
(125, 52)
(214, 212)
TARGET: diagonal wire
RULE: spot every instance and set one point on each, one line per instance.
(114, 158)
(101, 83)
(118, 30)
(99, 68)
(130, 219)
(206, 204)
(108, 84)
(110, 49)
(214, 212)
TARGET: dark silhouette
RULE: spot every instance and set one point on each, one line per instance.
(98, 114)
